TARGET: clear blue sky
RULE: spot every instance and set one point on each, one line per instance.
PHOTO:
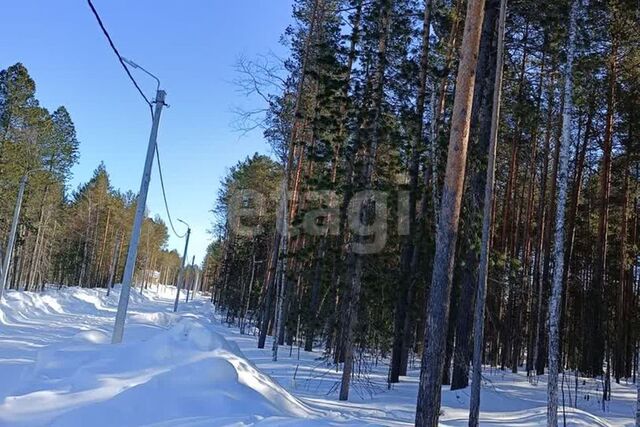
(191, 46)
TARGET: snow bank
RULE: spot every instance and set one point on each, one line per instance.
(58, 368)
(179, 372)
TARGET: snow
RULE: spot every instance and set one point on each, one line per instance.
(58, 368)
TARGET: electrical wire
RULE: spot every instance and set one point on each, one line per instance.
(126, 69)
(115, 50)
(164, 196)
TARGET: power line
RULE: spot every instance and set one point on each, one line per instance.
(126, 69)
(115, 50)
(164, 195)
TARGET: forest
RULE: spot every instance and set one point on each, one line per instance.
(451, 182)
(64, 236)
(451, 186)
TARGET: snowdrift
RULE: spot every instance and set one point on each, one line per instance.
(182, 373)
(185, 369)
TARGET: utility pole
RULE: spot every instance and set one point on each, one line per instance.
(129, 268)
(196, 283)
(192, 283)
(181, 273)
(12, 235)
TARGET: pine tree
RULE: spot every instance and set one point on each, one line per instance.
(428, 407)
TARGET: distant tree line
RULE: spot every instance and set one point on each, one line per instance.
(65, 237)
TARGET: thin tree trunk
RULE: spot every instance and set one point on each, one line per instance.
(555, 303)
(597, 302)
(569, 291)
(36, 247)
(402, 309)
(270, 284)
(536, 329)
(528, 267)
(83, 268)
(114, 264)
(481, 291)
(546, 245)
(247, 305)
(283, 234)
(355, 260)
(313, 303)
(638, 391)
(620, 368)
(332, 323)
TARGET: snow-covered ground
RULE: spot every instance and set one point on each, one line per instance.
(57, 368)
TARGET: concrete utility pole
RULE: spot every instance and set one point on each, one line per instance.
(12, 236)
(192, 284)
(129, 268)
(196, 283)
(181, 273)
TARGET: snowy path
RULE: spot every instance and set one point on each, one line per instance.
(186, 369)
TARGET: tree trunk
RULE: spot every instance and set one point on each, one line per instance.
(114, 264)
(283, 234)
(83, 267)
(621, 344)
(555, 303)
(476, 181)
(487, 212)
(402, 309)
(571, 330)
(313, 303)
(355, 260)
(270, 284)
(597, 300)
(638, 393)
(549, 215)
(428, 405)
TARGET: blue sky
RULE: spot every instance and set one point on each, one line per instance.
(191, 46)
